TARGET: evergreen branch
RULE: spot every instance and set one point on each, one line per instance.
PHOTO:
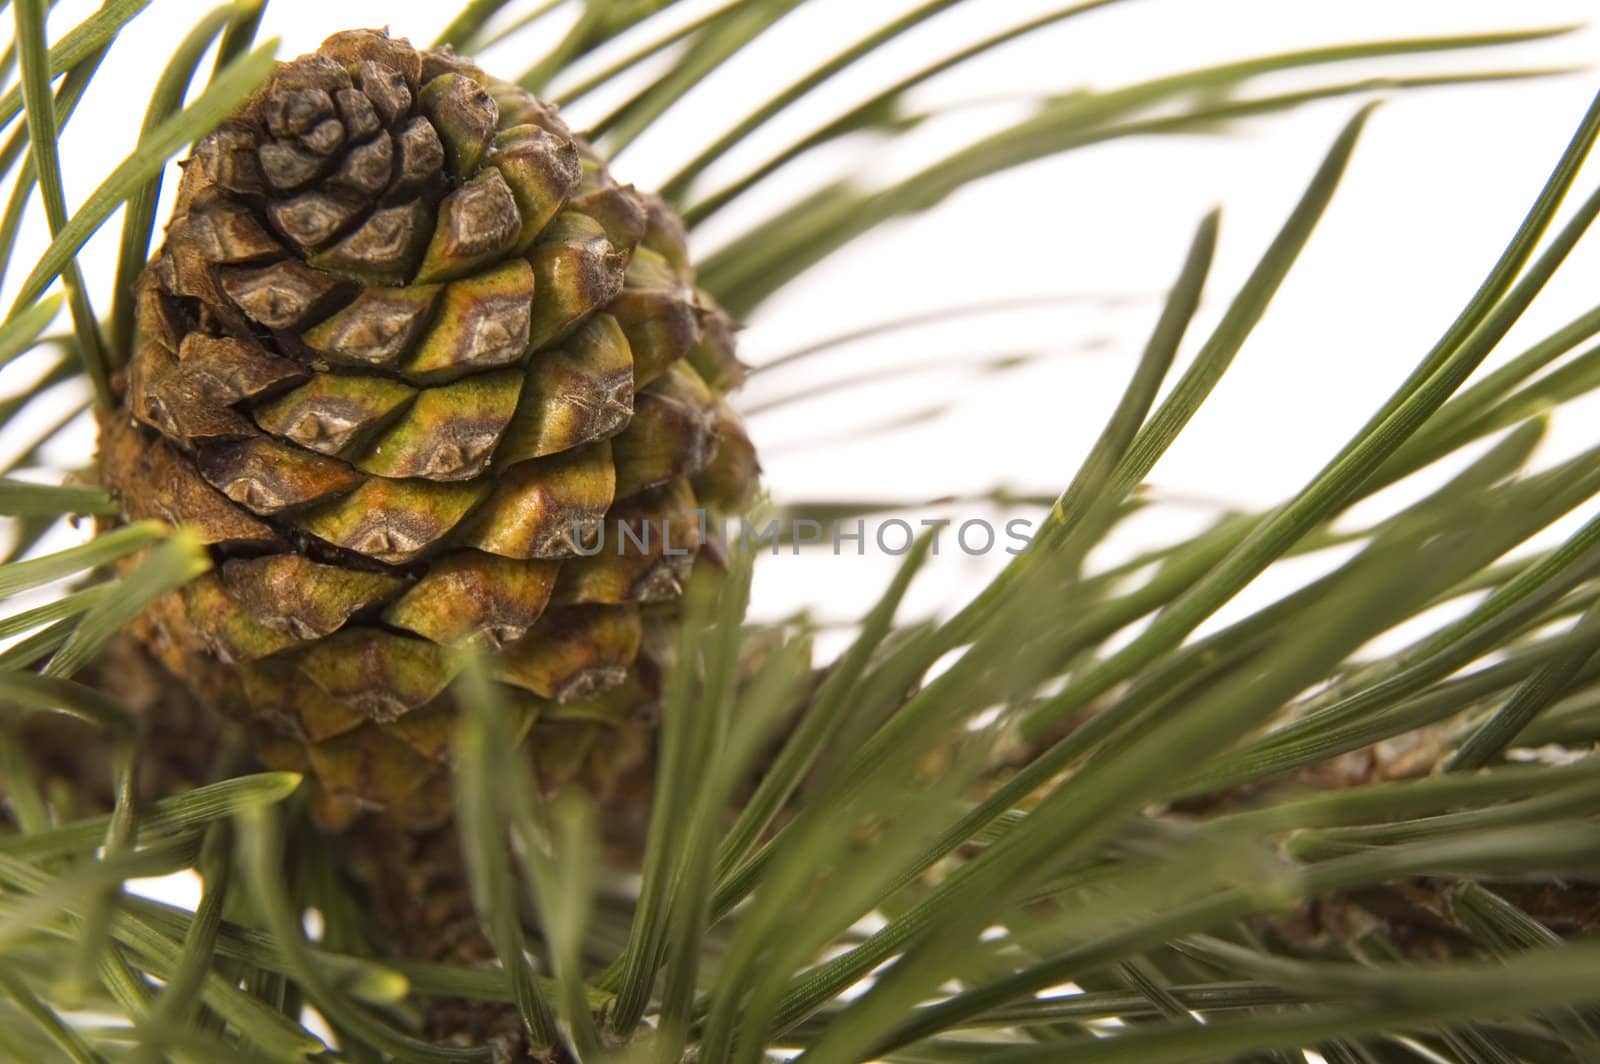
(539, 11)
(66, 1040)
(482, 742)
(20, 576)
(1364, 454)
(67, 99)
(630, 61)
(145, 162)
(1180, 404)
(468, 23)
(20, 498)
(1535, 694)
(159, 953)
(727, 31)
(88, 37)
(176, 816)
(40, 108)
(22, 328)
(773, 253)
(261, 854)
(598, 22)
(138, 220)
(689, 735)
(1551, 847)
(171, 565)
(677, 185)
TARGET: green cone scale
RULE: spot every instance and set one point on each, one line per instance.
(408, 348)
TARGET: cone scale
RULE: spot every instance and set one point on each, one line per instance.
(407, 350)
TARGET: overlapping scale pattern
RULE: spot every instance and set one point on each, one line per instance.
(407, 350)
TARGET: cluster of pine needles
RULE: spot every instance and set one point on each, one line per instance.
(1015, 833)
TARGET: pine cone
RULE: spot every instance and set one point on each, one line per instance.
(407, 351)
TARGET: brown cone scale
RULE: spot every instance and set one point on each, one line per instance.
(408, 347)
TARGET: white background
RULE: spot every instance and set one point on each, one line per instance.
(1437, 184)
